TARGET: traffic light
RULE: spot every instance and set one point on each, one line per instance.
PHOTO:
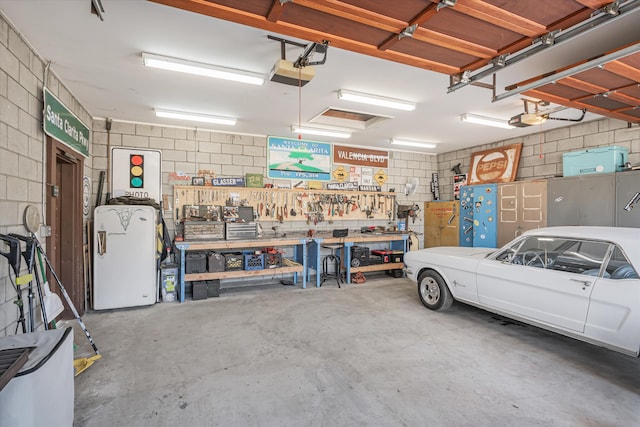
(136, 170)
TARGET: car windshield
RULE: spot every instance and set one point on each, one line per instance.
(557, 253)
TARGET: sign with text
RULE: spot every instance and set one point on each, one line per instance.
(136, 172)
(254, 180)
(228, 182)
(60, 123)
(345, 186)
(498, 164)
(298, 159)
(360, 156)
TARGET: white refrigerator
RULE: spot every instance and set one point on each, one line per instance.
(124, 256)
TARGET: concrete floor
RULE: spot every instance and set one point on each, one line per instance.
(367, 354)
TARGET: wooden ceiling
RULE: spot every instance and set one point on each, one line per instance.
(611, 89)
(465, 36)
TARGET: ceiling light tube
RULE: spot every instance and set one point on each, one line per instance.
(487, 121)
(382, 101)
(201, 69)
(321, 132)
(196, 117)
(405, 142)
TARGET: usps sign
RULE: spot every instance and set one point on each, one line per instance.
(136, 172)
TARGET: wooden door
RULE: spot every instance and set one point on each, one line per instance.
(441, 221)
(64, 215)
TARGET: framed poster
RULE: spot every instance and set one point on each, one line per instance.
(298, 159)
(498, 164)
(458, 181)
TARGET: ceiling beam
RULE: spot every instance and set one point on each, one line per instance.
(419, 19)
(497, 16)
(535, 93)
(625, 70)
(216, 10)
(275, 11)
(593, 4)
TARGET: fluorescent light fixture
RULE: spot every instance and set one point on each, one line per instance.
(405, 142)
(382, 101)
(196, 117)
(487, 121)
(320, 131)
(201, 69)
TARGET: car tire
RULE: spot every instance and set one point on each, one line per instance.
(433, 291)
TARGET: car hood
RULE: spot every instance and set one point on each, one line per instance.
(449, 255)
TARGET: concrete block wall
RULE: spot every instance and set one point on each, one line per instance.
(541, 155)
(190, 150)
(22, 155)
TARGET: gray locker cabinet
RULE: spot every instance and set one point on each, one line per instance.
(581, 200)
(522, 207)
(627, 185)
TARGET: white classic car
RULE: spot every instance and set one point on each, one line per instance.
(578, 281)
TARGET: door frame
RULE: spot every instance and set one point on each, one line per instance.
(64, 215)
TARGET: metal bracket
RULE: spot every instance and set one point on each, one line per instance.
(408, 32)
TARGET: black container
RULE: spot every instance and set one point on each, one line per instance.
(195, 262)
(395, 273)
(199, 290)
(213, 288)
(216, 262)
(233, 261)
(360, 256)
(272, 260)
(397, 256)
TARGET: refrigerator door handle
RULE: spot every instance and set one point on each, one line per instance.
(102, 242)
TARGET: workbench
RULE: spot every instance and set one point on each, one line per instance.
(295, 266)
(396, 241)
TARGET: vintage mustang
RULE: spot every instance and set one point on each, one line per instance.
(578, 281)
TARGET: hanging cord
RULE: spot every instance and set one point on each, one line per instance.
(540, 155)
(299, 101)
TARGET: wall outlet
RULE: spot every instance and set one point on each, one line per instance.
(45, 231)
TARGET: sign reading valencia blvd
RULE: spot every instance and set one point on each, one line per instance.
(60, 123)
(360, 156)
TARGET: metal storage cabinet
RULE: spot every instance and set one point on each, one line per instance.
(522, 206)
(581, 200)
(478, 211)
(441, 221)
(627, 185)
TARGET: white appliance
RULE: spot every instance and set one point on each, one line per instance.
(124, 256)
(41, 393)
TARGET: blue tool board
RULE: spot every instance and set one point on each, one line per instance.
(478, 215)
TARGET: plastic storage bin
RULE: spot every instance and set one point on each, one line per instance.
(196, 262)
(595, 160)
(253, 261)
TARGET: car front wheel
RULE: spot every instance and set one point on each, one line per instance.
(433, 291)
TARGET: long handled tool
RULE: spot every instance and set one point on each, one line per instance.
(12, 253)
(82, 363)
(29, 255)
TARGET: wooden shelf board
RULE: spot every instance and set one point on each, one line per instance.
(378, 267)
(243, 273)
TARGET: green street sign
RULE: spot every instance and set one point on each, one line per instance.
(60, 123)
